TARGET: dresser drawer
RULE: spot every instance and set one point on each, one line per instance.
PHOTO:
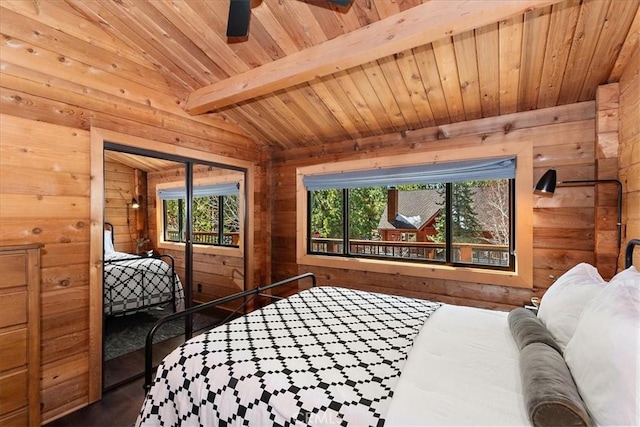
(18, 419)
(20, 335)
(13, 308)
(13, 270)
(13, 392)
(13, 349)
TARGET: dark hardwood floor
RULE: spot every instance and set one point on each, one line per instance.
(119, 407)
(123, 369)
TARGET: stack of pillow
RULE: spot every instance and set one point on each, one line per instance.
(579, 358)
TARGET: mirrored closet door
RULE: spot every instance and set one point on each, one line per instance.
(174, 237)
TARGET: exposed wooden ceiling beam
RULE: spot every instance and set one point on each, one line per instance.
(417, 26)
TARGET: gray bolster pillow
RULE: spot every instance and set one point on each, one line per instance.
(526, 329)
(550, 394)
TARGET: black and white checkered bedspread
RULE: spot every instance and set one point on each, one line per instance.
(132, 283)
(326, 356)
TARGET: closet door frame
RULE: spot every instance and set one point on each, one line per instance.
(100, 137)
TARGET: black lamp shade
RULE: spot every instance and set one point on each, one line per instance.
(134, 203)
(547, 184)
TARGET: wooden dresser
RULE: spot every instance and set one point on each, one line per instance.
(20, 335)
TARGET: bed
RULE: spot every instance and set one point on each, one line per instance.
(134, 283)
(336, 356)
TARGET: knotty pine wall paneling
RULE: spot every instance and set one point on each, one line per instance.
(140, 216)
(562, 137)
(629, 155)
(606, 158)
(44, 198)
(119, 190)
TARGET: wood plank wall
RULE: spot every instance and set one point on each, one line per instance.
(562, 137)
(629, 134)
(606, 156)
(44, 198)
(119, 186)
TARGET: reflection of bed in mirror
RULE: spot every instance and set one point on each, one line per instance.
(134, 283)
(337, 356)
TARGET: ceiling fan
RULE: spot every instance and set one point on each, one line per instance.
(240, 14)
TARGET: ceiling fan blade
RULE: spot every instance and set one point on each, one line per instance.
(239, 16)
(343, 3)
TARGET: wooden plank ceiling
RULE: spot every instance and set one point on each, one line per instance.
(143, 163)
(549, 56)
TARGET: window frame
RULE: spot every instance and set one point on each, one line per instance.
(213, 249)
(521, 276)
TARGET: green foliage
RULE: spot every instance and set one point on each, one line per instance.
(410, 187)
(326, 213)
(365, 207)
(171, 215)
(205, 214)
(465, 225)
(231, 212)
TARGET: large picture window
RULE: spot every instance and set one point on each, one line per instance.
(457, 213)
(215, 214)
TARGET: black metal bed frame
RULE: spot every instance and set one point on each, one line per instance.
(148, 349)
(259, 292)
(628, 255)
(171, 262)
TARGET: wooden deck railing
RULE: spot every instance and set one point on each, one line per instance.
(471, 253)
(206, 238)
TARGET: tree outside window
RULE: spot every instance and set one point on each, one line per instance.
(478, 212)
(207, 220)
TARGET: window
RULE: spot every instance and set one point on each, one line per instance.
(404, 170)
(215, 214)
(416, 217)
(174, 218)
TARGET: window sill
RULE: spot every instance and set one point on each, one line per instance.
(204, 249)
(463, 274)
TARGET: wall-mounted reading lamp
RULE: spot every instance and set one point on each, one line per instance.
(134, 205)
(546, 186)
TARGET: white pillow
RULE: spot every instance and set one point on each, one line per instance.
(604, 353)
(629, 274)
(563, 302)
(108, 243)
